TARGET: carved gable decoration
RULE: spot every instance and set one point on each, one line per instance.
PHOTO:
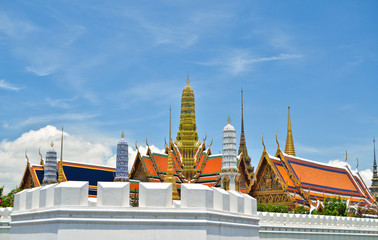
(268, 181)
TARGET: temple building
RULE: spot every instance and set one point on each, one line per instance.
(192, 161)
(293, 181)
(374, 181)
(282, 178)
(187, 159)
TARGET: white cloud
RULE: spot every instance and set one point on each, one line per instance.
(62, 103)
(75, 148)
(366, 174)
(51, 118)
(241, 61)
(42, 70)
(14, 28)
(12, 153)
(8, 86)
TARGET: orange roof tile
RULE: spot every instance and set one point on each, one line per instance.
(213, 165)
(321, 177)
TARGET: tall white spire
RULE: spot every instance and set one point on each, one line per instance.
(229, 170)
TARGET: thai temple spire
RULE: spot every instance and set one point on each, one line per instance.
(61, 173)
(41, 161)
(50, 175)
(229, 170)
(374, 184)
(170, 178)
(187, 136)
(122, 170)
(289, 148)
(243, 144)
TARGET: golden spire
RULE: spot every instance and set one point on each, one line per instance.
(170, 178)
(123, 135)
(41, 161)
(346, 156)
(242, 143)
(289, 148)
(187, 79)
(228, 120)
(60, 178)
(187, 136)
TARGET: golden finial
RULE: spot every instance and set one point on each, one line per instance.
(39, 152)
(205, 137)
(228, 120)
(123, 135)
(170, 178)
(346, 156)
(277, 140)
(60, 172)
(357, 165)
(262, 140)
(26, 156)
(136, 145)
(165, 141)
(170, 113)
(187, 78)
(52, 144)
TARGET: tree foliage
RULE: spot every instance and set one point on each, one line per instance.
(280, 208)
(335, 206)
(301, 210)
(8, 200)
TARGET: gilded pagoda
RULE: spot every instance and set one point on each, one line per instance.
(192, 161)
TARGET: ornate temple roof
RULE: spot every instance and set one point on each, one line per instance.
(207, 167)
(308, 181)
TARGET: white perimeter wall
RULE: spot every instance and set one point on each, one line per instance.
(202, 213)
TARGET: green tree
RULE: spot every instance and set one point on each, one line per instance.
(301, 210)
(8, 200)
(335, 207)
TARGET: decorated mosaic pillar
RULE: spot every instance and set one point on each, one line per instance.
(122, 170)
(50, 171)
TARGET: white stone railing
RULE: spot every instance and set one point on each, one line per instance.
(5, 222)
(303, 226)
(288, 219)
(5, 213)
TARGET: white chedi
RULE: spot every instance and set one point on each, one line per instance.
(229, 170)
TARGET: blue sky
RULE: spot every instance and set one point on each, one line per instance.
(100, 67)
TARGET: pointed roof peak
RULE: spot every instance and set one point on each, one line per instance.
(289, 148)
(228, 120)
(187, 79)
(123, 135)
